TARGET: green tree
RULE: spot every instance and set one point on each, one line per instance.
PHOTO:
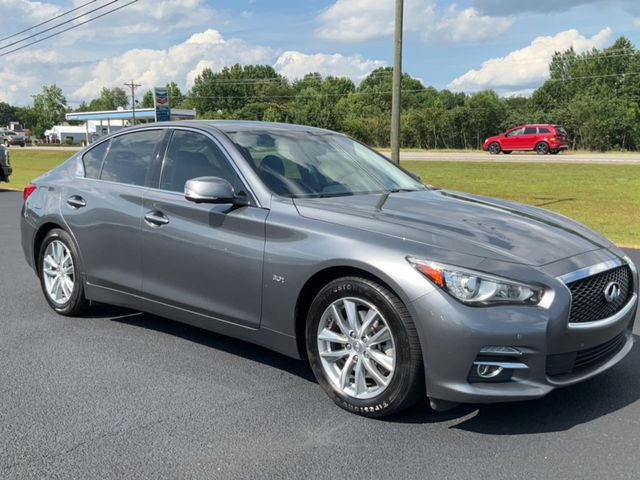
(49, 108)
(7, 114)
(109, 99)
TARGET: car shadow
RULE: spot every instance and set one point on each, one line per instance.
(203, 337)
(559, 411)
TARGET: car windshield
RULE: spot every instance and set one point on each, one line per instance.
(308, 164)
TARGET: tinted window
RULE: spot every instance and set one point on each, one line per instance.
(130, 156)
(530, 130)
(191, 155)
(516, 132)
(543, 130)
(93, 160)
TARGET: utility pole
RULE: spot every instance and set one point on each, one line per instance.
(397, 85)
(133, 87)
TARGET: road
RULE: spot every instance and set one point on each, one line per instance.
(572, 157)
(120, 394)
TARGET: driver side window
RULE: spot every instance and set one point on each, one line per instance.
(191, 155)
(516, 132)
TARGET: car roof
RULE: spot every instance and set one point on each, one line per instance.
(231, 126)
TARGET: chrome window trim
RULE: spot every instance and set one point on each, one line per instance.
(589, 271)
(607, 322)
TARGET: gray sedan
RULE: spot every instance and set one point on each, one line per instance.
(313, 245)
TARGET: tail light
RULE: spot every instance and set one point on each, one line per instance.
(553, 139)
(28, 190)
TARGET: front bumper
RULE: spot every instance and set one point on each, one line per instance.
(452, 336)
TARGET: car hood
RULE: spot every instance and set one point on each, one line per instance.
(460, 222)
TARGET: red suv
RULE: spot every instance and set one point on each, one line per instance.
(541, 138)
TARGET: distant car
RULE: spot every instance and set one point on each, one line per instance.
(9, 137)
(5, 165)
(541, 138)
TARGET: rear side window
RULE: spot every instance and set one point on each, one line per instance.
(191, 155)
(130, 157)
(92, 160)
(544, 130)
(530, 131)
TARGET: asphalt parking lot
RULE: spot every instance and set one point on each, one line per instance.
(120, 394)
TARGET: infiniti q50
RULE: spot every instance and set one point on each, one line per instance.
(313, 245)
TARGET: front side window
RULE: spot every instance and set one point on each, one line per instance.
(296, 163)
(130, 157)
(516, 132)
(92, 160)
(191, 155)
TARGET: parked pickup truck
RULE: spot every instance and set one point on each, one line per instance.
(9, 137)
(5, 164)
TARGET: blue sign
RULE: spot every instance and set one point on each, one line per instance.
(163, 107)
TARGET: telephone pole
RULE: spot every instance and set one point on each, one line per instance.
(133, 87)
(397, 85)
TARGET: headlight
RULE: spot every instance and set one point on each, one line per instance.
(475, 288)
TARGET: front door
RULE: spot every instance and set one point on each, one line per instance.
(512, 139)
(202, 257)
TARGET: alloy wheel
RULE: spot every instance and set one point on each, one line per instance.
(356, 347)
(58, 272)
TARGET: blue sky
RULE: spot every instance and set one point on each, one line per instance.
(467, 45)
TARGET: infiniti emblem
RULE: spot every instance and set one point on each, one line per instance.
(612, 292)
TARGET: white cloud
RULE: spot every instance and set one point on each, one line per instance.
(180, 63)
(528, 66)
(294, 65)
(466, 25)
(22, 76)
(365, 20)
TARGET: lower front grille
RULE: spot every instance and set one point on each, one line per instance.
(576, 362)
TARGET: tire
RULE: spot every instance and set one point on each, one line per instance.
(507, 152)
(542, 148)
(385, 390)
(494, 148)
(554, 152)
(64, 299)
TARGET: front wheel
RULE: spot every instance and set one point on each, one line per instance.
(542, 148)
(494, 148)
(59, 271)
(363, 348)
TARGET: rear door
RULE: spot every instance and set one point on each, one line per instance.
(528, 139)
(202, 257)
(104, 209)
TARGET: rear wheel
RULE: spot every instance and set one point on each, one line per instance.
(59, 271)
(363, 348)
(494, 148)
(542, 148)
(554, 152)
(507, 152)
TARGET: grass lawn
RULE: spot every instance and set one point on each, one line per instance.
(605, 197)
(30, 164)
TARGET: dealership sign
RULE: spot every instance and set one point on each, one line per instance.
(161, 102)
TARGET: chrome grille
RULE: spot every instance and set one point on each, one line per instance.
(588, 302)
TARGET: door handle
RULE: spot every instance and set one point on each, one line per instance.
(76, 201)
(156, 219)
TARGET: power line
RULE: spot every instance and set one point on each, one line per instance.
(68, 29)
(48, 21)
(58, 25)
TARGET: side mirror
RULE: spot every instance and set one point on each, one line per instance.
(415, 176)
(209, 190)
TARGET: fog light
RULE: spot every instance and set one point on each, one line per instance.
(488, 371)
